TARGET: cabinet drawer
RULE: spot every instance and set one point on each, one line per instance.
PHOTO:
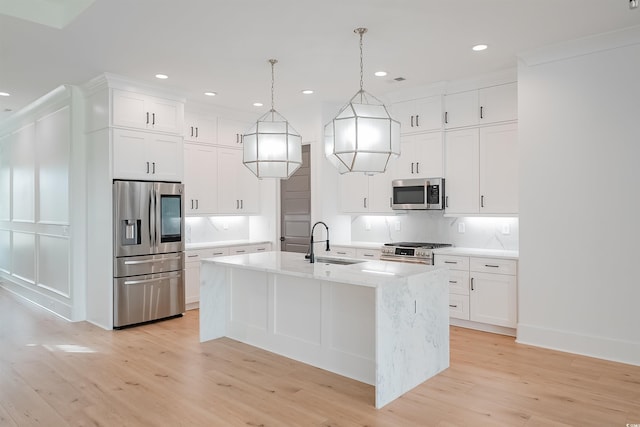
(494, 265)
(368, 253)
(342, 252)
(459, 282)
(459, 306)
(213, 252)
(453, 262)
(192, 257)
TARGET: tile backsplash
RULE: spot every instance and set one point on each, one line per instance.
(216, 229)
(432, 226)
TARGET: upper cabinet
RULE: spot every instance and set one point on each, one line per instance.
(200, 128)
(200, 179)
(141, 111)
(420, 156)
(418, 115)
(147, 156)
(230, 132)
(482, 170)
(360, 193)
(482, 106)
(238, 188)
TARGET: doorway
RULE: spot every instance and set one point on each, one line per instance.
(295, 207)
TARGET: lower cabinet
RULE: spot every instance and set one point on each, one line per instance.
(192, 266)
(482, 290)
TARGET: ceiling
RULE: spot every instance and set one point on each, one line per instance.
(223, 45)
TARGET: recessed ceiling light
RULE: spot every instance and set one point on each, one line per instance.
(307, 91)
(257, 104)
(210, 93)
(380, 73)
(162, 76)
(5, 94)
(479, 47)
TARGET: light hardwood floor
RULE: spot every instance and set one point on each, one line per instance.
(56, 373)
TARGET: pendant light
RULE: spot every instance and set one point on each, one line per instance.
(272, 148)
(363, 136)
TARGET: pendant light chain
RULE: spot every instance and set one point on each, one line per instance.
(361, 31)
(272, 62)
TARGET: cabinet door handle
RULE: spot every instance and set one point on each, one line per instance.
(153, 118)
(240, 251)
(191, 203)
(241, 204)
(147, 167)
(417, 122)
(451, 262)
(261, 249)
(341, 253)
(472, 284)
(411, 121)
(147, 117)
(192, 256)
(197, 204)
(453, 282)
(492, 266)
(411, 167)
(196, 132)
(390, 202)
(365, 202)
(417, 167)
(481, 112)
(369, 255)
(446, 117)
(218, 253)
(453, 306)
(482, 201)
(446, 201)
(237, 204)
(191, 130)
(154, 167)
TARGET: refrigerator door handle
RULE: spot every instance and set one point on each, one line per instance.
(151, 261)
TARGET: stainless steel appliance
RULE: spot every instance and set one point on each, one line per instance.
(424, 193)
(148, 264)
(410, 252)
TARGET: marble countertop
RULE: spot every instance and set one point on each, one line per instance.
(365, 273)
(486, 253)
(224, 243)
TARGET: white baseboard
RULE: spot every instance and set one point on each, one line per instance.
(482, 327)
(55, 306)
(586, 345)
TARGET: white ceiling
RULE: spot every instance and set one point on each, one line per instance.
(224, 45)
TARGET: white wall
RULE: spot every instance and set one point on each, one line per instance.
(579, 124)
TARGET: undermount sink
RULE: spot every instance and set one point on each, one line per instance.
(338, 261)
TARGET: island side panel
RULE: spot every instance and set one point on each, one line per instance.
(412, 341)
(214, 285)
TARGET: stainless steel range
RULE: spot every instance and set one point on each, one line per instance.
(417, 252)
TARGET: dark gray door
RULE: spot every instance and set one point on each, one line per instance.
(295, 207)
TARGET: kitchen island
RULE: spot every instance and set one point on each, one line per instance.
(382, 323)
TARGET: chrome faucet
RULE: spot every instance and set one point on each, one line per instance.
(310, 256)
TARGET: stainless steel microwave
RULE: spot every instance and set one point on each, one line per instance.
(423, 193)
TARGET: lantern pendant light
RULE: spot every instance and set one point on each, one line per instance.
(363, 136)
(272, 148)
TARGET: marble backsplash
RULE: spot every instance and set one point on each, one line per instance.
(216, 229)
(432, 226)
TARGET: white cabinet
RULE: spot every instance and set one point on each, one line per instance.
(369, 254)
(482, 290)
(192, 272)
(360, 193)
(418, 115)
(238, 188)
(200, 128)
(482, 170)
(338, 251)
(482, 106)
(421, 156)
(249, 249)
(140, 111)
(200, 179)
(230, 132)
(147, 156)
(458, 284)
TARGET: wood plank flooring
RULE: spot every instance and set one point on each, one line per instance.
(56, 373)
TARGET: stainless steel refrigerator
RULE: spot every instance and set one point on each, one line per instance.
(148, 264)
